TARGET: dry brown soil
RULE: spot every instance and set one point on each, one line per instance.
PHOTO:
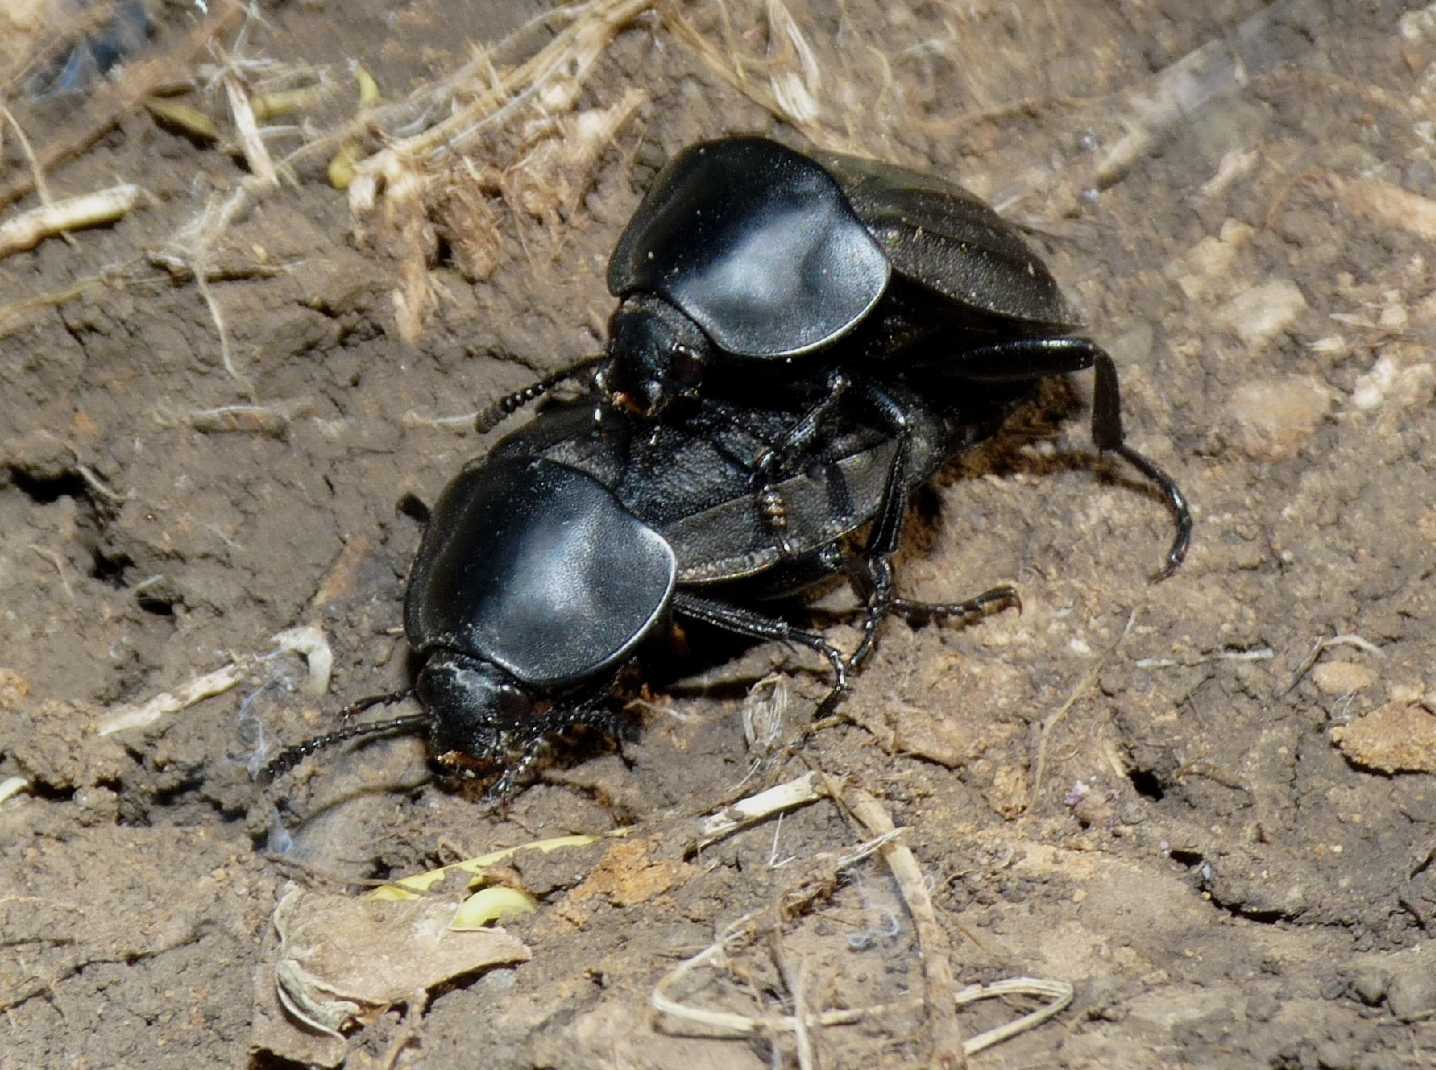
(1224, 836)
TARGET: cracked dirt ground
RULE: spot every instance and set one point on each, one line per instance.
(1208, 804)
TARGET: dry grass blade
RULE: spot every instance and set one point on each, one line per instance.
(418, 170)
(255, 153)
(42, 187)
(1056, 994)
(787, 95)
(17, 315)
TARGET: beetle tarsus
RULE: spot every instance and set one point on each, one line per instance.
(1182, 541)
(878, 608)
(1054, 356)
(779, 457)
(347, 714)
(515, 773)
(774, 513)
(1107, 433)
(1004, 596)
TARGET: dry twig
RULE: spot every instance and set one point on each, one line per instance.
(307, 641)
(806, 789)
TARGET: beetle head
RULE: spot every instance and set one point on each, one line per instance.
(477, 711)
(655, 355)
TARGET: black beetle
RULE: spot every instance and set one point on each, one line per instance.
(746, 255)
(546, 565)
(750, 267)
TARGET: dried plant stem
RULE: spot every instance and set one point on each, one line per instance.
(1055, 718)
(944, 1034)
(123, 718)
(307, 641)
(28, 229)
(42, 187)
(255, 152)
(755, 808)
(819, 879)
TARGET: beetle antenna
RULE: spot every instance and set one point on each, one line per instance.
(494, 414)
(288, 758)
(373, 700)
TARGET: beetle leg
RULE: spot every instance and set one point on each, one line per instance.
(743, 621)
(778, 456)
(878, 607)
(496, 411)
(1003, 596)
(798, 438)
(875, 575)
(600, 714)
(518, 763)
(885, 535)
(516, 772)
(1022, 360)
(1041, 357)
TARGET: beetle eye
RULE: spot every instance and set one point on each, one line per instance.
(513, 705)
(686, 368)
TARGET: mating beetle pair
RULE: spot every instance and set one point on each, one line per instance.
(891, 319)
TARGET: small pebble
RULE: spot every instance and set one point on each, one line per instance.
(1411, 996)
(1261, 313)
(1369, 984)
(1271, 419)
(1342, 677)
